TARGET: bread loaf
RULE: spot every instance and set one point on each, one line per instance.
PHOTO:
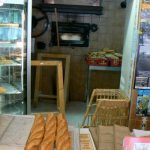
(63, 141)
(50, 133)
(36, 134)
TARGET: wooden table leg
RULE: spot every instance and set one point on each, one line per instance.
(61, 101)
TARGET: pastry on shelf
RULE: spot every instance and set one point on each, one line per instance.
(108, 51)
(5, 60)
(2, 90)
(99, 54)
(63, 140)
(50, 133)
(36, 134)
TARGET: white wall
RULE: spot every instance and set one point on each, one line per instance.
(130, 46)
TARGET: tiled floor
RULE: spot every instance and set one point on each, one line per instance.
(74, 110)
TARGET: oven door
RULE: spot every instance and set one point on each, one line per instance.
(71, 34)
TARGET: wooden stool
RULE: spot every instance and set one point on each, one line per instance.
(64, 58)
(60, 86)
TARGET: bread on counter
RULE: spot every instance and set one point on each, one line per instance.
(50, 133)
(36, 134)
(44, 134)
(63, 140)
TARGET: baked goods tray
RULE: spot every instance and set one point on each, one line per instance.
(86, 140)
(15, 129)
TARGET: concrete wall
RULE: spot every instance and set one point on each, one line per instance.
(110, 34)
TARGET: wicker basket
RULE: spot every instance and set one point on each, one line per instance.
(107, 107)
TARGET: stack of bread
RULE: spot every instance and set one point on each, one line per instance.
(45, 135)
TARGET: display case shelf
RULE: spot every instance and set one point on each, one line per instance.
(12, 63)
(9, 89)
(10, 45)
(16, 25)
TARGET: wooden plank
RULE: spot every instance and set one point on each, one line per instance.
(60, 88)
(67, 78)
(57, 30)
(44, 63)
(132, 116)
(47, 96)
(55, 56)
(37, 86)
(58, 104)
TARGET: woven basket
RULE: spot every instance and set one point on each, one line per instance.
(107, 107)
(110, 112)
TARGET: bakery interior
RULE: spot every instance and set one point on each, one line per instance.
(75, 72)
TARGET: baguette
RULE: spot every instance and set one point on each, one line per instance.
(63, 140)
(36, 134)
(50, 133)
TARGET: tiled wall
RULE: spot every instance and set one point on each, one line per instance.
(109, 35)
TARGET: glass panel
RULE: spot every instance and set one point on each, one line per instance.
(12, 58)
(70, 37)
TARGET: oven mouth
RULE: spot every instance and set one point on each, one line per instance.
(70, 34)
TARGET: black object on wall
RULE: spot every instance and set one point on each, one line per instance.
(123, 4)
(71, 34)
(77, 9)
(37, 29)
(93, 27)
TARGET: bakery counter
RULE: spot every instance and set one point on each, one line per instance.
(15, 130)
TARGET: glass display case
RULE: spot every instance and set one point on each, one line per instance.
(13, 57)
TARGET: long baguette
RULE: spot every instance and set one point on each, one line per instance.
(36, 134)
